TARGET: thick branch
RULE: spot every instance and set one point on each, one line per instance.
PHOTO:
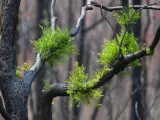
(32, 73)
(57, 89)
(111, 9)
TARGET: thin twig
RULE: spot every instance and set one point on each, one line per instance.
(115, 8)
(97, 22)
(110, 25)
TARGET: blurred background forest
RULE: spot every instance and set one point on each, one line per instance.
(139, 84)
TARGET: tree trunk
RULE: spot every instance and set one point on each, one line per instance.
(13, 93)
(138, 100)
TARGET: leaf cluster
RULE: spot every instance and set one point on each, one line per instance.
(80, 88)
(25, 67)
(54, 45)
(127, 14)
(129, 44)
(149, 52)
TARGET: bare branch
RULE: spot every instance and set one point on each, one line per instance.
(156, 40)
(97, 22)
(111, 9)
(79, 22)
(53, 17)
(110, 26)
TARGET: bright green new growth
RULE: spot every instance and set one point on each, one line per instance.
(130, 45)
(25, 67)
(58, 44)
(54, 45)
(125, 15)
(80, 88)
(109, 52)
(149, 52)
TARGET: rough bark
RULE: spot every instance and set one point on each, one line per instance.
(11, 88)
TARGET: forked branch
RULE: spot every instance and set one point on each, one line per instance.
(32, 73)
(120, 65)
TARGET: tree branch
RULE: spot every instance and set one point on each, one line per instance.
(32, 73)
(120, 65)
(156, 40)
(79, 21)
(111, 9)
(57, 89)
(97, 22)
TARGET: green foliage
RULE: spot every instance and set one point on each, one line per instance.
(149, 52)
(125, 15)
(54, 45)
(18, 73)
(25, 67)
(81, 88)
(110, 51)
(47, 85)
